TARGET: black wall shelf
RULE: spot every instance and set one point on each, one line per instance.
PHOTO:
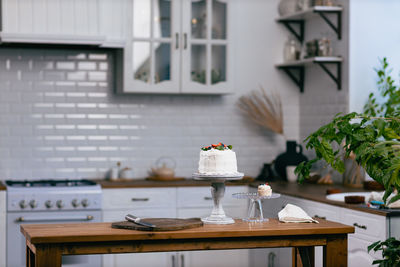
(296, 69)
(298, 19)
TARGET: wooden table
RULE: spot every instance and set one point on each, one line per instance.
(45, 243)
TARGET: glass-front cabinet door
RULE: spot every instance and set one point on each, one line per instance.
(205, 50)
(178, 46)
(152, 52)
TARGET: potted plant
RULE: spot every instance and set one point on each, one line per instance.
(374, 138)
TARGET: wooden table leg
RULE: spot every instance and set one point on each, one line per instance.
(30, 257)
(335, 251)
(303, 257)
(47, 256)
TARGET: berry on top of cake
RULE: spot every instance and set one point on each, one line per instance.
(217, 159)
(264, 190)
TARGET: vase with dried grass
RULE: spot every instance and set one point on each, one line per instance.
(266, 110)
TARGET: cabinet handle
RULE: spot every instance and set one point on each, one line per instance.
(360, 226)
(320, 217)
(176, 40)
(140, 199)
(207, 198)
(182, 260)
(185, 40)
(173, 260)
(271, 259)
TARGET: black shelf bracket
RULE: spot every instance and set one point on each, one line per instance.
(297, 79)
(338, 27)
(338, 78)
(299, 33)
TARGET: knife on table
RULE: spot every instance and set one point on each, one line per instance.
(138, 220)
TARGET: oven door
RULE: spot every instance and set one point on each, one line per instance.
(16, 241)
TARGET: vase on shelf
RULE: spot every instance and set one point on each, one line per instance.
(287, 7)
(291, 157)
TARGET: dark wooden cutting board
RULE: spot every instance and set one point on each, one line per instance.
(162, 224)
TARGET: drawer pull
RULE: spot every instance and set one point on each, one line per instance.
(207, 198)
(140, 199)
(360, 226)
(320, 217)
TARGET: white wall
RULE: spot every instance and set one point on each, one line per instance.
(2, 228)
(374, 34)
(59, 117)
(321, 99)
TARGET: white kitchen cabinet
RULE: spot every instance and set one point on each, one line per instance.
(85, 22)
(197, 202)
(58, 21)
(271, 257)
(2, 228)
(181, 202)
(142, 202)
(368, 229)
(179, 46)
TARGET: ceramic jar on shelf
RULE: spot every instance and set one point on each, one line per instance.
(291, 51)
(287, 7)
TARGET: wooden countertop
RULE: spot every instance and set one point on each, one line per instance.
(93, 232)
(317, 192)
(2, 186)
(146, 183)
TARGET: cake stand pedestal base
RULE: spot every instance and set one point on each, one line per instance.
(217, 192)
(217, 214)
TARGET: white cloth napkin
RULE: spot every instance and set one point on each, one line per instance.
(294, 214)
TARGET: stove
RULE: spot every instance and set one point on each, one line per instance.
(50, 201)
(53, 195)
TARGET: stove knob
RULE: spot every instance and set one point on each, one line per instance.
(60, 204)
(33, 203)
(75, 203)
(23, 204)
(48, 204)
(85, 202)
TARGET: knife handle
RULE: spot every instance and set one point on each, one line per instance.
(131, 218)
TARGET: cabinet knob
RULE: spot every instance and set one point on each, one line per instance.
(176, 40)
(140, 199)
(207, 198)
(185, 40)
(271, 259)
(173, 260)
(320, 217)
(360, 226)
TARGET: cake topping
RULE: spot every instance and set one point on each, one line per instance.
(219, 146)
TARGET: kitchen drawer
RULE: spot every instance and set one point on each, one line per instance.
(139, 198)
(323, 211)
(292, 200)
(201, 196)
(119, 215)
(367, 226)
(231, 211)
(356, 245)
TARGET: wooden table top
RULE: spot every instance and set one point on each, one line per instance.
(96, 232)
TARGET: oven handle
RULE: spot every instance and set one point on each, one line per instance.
(55, 219)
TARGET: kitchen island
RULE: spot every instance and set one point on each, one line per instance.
(47, 243)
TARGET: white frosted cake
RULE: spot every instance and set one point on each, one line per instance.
(264, 190)
(217, 159)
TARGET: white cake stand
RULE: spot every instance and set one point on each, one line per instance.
(217, 192)
(255, 212)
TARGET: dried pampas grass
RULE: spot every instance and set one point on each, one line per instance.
(263, 109)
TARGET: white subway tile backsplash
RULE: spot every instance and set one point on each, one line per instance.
(76, 76)
(60, 119)
(87, 65)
